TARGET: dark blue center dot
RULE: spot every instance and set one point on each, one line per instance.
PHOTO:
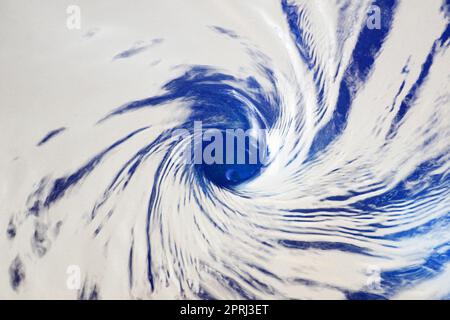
(229, 162)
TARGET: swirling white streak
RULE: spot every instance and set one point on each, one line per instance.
(309, 226)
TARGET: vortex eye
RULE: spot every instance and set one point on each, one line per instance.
(228, 175)
(229, 159)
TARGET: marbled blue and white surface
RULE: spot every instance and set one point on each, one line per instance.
(353, 203)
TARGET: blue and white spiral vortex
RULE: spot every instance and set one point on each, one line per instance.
(353, 201)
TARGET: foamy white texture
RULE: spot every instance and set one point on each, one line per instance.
(53, 77)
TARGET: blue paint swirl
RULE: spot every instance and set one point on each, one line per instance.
(348, 195)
